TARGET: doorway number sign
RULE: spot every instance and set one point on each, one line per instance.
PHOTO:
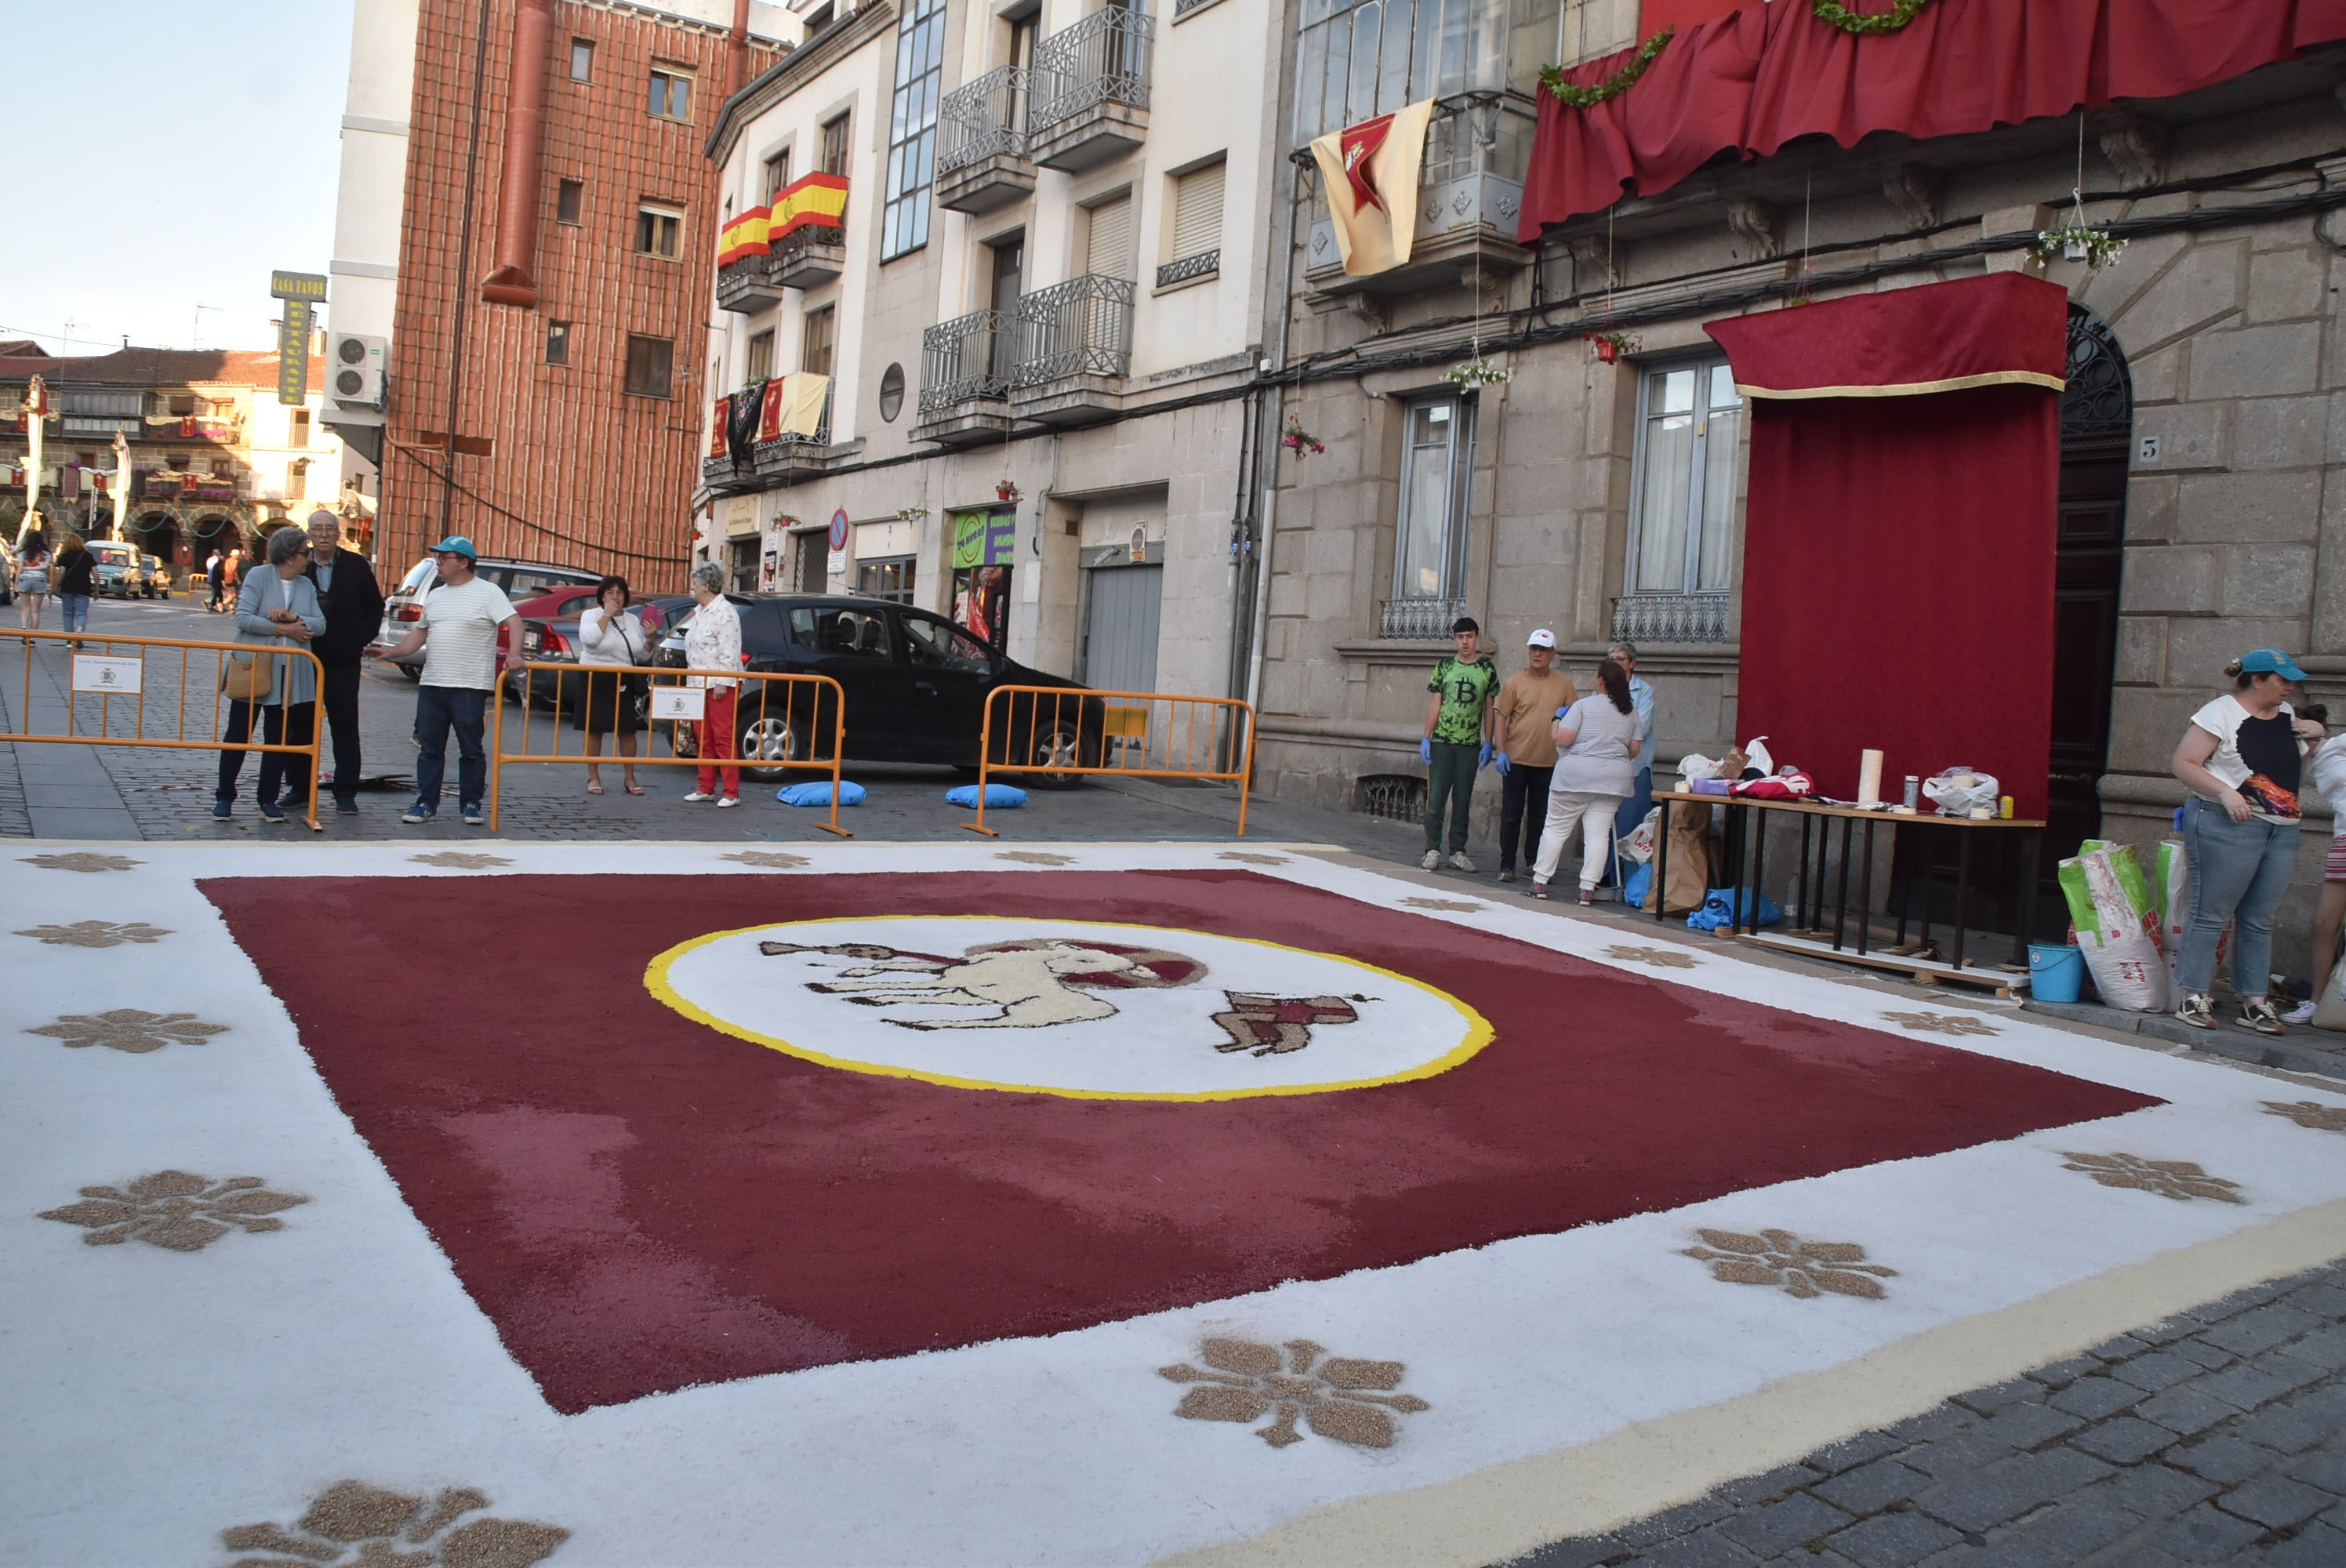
(91, 672)
(679, 702)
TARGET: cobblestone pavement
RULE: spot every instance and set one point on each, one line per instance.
(2218, 1436)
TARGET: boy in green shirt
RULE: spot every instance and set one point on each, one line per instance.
(1457, 741)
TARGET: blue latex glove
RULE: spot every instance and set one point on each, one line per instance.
(1560, 713)
(1425, 750)
(1483, 758)
(1501, 762)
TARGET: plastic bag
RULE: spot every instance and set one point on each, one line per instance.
(1640, 882)
(998, 796)
(1719, 909)
(814, 794)
(1756, 755)
(2118, 927)
(1961, 799)
(1695, 765)
(1639, 847)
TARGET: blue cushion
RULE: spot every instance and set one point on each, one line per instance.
(998, 796)
(819, 794)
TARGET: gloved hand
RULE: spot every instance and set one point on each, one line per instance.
(1483, 758)
(1502, 762)
(1560, 713)
(1425, 750)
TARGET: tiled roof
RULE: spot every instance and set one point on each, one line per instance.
(155, 367)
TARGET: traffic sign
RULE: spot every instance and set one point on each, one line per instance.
(839, 531)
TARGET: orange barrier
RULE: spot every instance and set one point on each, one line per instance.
(1062, 730)
(783, 723)
(118, 676)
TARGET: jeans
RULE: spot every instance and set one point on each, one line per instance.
(714, 737)
(1593, 815)
(1633, 812)
(1523, 783)
(1450, 781)
(2238, 872)
(438, 710)
(76, 607)
(280, 726)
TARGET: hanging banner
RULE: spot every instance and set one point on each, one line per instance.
(743, 237)
(719, 413)
(741, 427)
(293, 354)
(1370, 173)
(812, 201)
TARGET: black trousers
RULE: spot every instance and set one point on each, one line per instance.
(279, 727)
(1523, 786)
(338, 703)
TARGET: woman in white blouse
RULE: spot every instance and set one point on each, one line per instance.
(712, 642)
(610, 635)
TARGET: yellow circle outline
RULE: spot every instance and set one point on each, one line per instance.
(1479, 1031)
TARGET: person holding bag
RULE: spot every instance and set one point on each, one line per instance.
(277, 607)
(610, 635)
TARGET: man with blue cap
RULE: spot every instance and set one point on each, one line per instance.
(463, 616)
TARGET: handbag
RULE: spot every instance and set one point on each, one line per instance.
(243, 678)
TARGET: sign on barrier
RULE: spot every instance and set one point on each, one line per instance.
(92, 672)
(679, 702)
(1063, 732)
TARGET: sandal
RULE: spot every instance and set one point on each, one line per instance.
(1537, 890)
(634, 788)
(1587, 897)
(593, 785)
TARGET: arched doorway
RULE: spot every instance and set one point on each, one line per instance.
(2097, 439)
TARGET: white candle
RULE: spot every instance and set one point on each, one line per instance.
(1869, 779)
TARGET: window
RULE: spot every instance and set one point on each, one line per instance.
(184, 407)
(568, 197)
(889, 578)
(817, 19)
(297, 428)
(811, 572)
(1108, 237)
(891, 393)
(778, 174)
(913, 128)
(935, 644)
(1355, 61)
(814, 354)
(832, 631)
(1430, 549)
(558, 343)
(296, 481)
(223, 468)
(761, 356)
(582, 60)
(659, 231)
(834, 145)
(648, 359)
(671, 98)
(176, 463)
(1681, 508)
(1196, 214)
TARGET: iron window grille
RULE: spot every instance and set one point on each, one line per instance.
(1425, 620)
(1670, 619)
(1391, 796)
(1205, 264)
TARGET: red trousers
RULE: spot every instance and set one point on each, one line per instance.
(714, 737)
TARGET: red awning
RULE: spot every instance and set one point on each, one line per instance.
(2003, 328)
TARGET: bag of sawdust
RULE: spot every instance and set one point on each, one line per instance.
(2118, 927)
(1690, 879)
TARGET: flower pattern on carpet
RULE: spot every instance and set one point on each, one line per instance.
(1455, 906)
(2179, 1179)
(461, 860)
(1252, 858)
(174, 1210)
(775, 858)
(1340, 1398)
(1943, 1022)
(1035, 857)
(128, 1029)
(360, 1526)
(96, 933)
(2310, 1114)
(81, 860)
(1659, 957)
(1802, 1269)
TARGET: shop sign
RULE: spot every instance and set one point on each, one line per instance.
(988, 538)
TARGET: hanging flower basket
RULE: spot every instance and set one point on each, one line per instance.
(2074, 239)
(1299, 441)
(1480, 372)
(1609, 347)
(1005, 491)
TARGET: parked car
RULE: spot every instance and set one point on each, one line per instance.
(119, 570)
(157, 580)
(557, 638)
(916, 688)
(522, 581)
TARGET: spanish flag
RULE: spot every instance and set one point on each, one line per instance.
(1370, 171)
(744, 236)
(814, 200)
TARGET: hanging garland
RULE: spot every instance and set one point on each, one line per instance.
(1612, 87)
(1894, 20)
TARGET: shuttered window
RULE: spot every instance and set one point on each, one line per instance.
(1197, 212)
(1108, 245)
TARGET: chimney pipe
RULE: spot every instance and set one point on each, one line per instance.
(738, 53)
(513, 282)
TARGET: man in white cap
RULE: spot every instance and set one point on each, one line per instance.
(1525, 709)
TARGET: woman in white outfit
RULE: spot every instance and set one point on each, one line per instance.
(610, 635)
(1598, 743)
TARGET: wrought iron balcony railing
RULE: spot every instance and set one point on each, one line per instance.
(984, 117)
(1104, 59)
(1080, 327)
(1187, 267)
(1414, 620)
(964, 359)
(1670, 617)
(819, 436)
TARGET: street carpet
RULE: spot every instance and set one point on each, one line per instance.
(919, 1205)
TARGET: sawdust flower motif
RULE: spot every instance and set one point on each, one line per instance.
(96, 933)
(364, 1526)
(172, 1208)
(2312, 1113)
(128, 1029)
(1035, 857)
(771, 857)
(1659, 957)
(1943, 1023)
(1454, 906)
(461, 860)
(80, 861)
(2179, 1179)
(1252, 858)
(1340, 1398)
(1804, 1268)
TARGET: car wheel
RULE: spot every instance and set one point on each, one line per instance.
(1055, 748)
(413, 672)
(768, 741)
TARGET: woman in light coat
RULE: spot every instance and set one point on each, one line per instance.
(610, 635)
(277, 607)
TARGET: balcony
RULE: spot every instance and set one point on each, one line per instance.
(1075, 349)
(1470, 192)
(794, 456)
(1091, 91)
(724, 475)
(1426, 620)
(966, 366)
(982, 162)
(746, 287)
(808, 256)
(1670, 619)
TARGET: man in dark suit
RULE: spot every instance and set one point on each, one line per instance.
(352, 601)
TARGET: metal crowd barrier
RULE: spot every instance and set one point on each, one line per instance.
(125, 687)
(786, 719)
(1137, 734)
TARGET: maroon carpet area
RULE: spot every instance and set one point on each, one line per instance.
(641, 1203)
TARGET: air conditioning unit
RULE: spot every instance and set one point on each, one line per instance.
(354, 367)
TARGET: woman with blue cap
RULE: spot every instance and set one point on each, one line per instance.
(2242, 758)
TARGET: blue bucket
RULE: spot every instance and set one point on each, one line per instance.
(2056, 973)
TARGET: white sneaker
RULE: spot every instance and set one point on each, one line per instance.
(2300, 1013)
(1459, 862)
(1432, 862)
(700, 795)
(728, 800)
